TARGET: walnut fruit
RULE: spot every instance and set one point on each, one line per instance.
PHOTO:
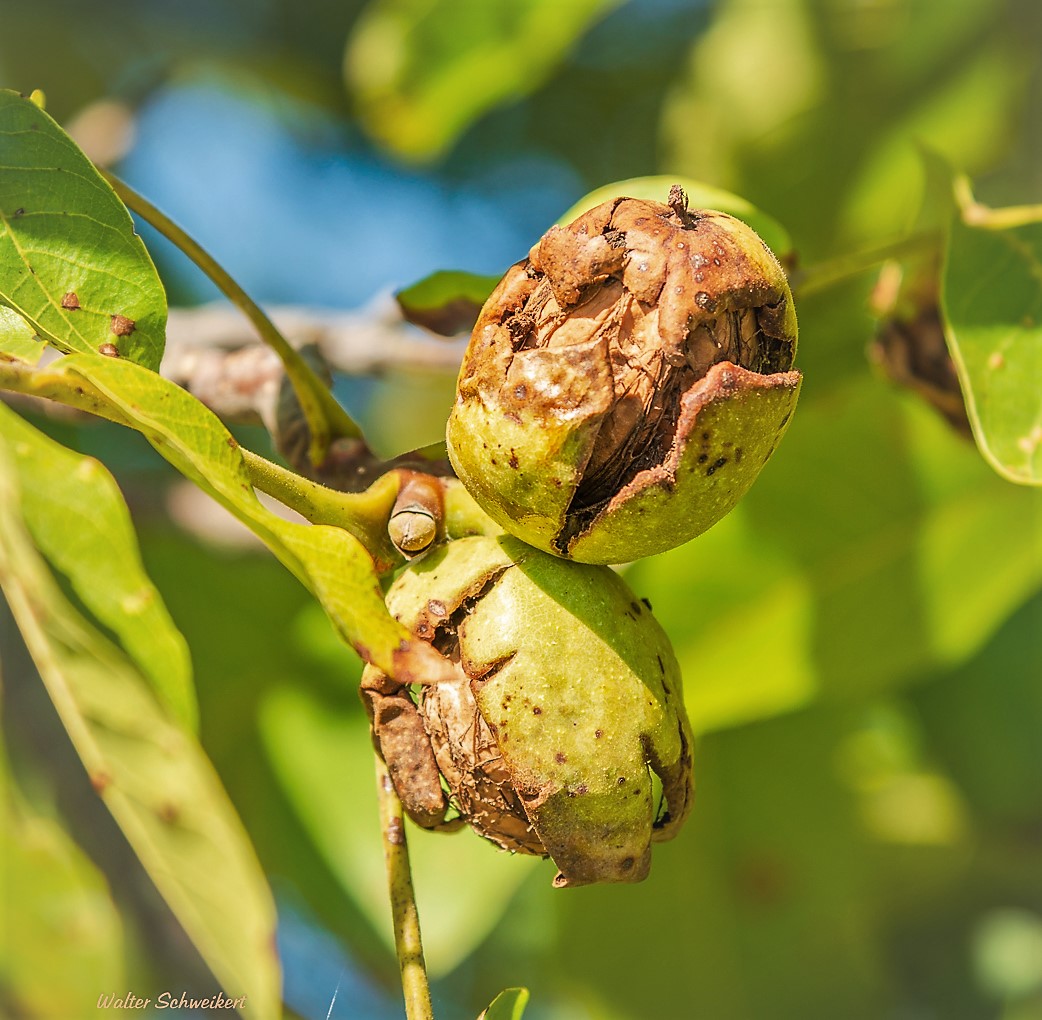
(625, 383)
(563, 732)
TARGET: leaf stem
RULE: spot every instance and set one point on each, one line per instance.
(827, 274)
(325, 417)
(976, 214)
(407, 942)
(363, 514)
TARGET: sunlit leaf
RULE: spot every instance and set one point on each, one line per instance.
(151, 773)
(422, 71)
(78, 520)
(331, 562)
(70, 262)
(324, 762)
(17, 337)
(508, 1005)
(992, 302)
(446, 302)
(699, 196)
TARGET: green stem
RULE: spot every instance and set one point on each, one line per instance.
(1008, 218)
(977, 214)
(325, 417)
(364, 514)
(406, 920)
(846, 267)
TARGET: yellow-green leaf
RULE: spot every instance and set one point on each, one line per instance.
(331, 562)
(68, 942)
(79, 522)
(151, 773)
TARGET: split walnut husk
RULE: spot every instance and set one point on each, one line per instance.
(625, 384)
(563, 732)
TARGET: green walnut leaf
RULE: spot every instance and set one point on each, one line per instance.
(70, 262)
(80, 523)
(151, 772)
(992, 304)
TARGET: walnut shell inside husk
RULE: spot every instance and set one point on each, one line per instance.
(626, 382)
(564, 732)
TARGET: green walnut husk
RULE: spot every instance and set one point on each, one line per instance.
(563, 733)
(625, 384)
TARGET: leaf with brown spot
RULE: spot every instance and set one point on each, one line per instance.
(63, 233)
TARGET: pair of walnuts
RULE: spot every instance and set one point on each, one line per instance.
(623, 387)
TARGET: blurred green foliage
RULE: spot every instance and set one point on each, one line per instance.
(861, 639)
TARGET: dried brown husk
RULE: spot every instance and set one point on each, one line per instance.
(602, 336)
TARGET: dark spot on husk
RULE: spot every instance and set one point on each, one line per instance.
(19, 212)
(560, 757)
(168, 812)
(109, 350)
(514, 462)
(719, 463)
(647, 603)
(100, 781)
(437, 608)
(537, 710)
(627, 864)
(598, 734)
(661, 665)
(621, 781)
